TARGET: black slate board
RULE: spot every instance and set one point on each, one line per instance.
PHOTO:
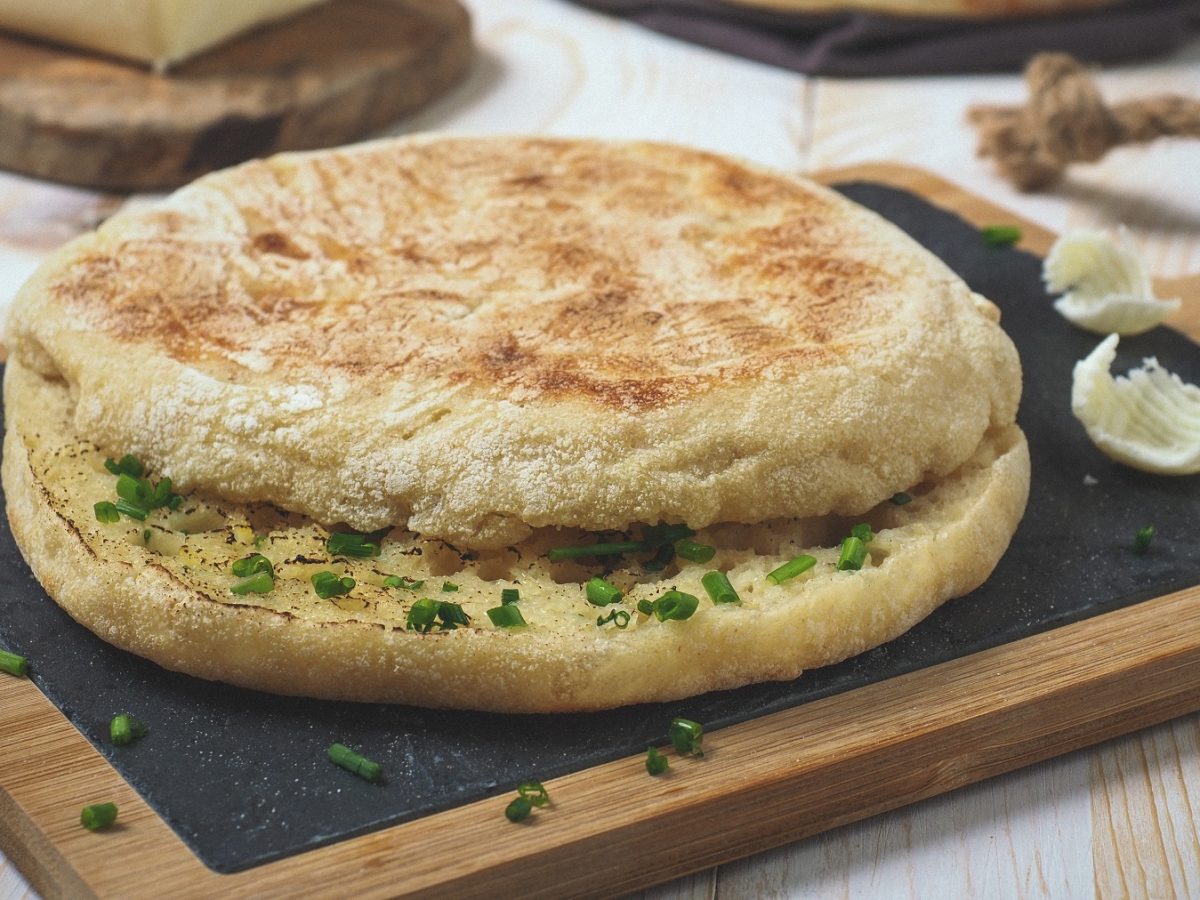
(242, 777)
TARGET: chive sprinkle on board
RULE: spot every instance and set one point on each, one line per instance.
(367, 769)
(13, 664)
(98, 815)
(1001, 235)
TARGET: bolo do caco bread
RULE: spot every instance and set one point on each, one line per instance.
(482, 350)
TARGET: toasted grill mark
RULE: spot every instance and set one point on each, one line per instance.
(528, 182)
(409, 251)
(630, 279)
(567, 260)
(633, 394)
(277, 244)
(563, 379)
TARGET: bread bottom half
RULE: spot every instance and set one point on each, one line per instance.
(161, 588)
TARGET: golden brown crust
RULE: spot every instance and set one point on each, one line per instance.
(477, 337)
(168, 598)
(405, 295)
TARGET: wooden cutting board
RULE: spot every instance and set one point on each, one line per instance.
(612, 829)
(330, 75)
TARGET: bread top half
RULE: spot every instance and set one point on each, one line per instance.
(473, 337)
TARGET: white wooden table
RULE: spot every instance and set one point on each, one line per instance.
(1118, 820)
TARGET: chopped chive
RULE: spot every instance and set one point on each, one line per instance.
(660, 538)
(1000, 235)
(399, 581)
(422, 615)
(341, 755)
(618, 617)
(427, 612)
(98, 815)
(138, 493)
(686, 735)
(790, 569)
(646, 607)
(854, 552)
(13, 664)
(125, 729)
(534, 792)
(719, 589)
(136, 490)
(451, 615)
(161, 494)
(863, 532)
(259, 540)
(694, 552)
(529, 795)
(661, 559)
(130, 509)
(129, 465)
(506, 616)
(263, 583)
(349, 543)
(106, 512)
(449, 587)
(558, 554)
(1141, 540)
(146, 536)
(675, 605)
(901, 498)
(601, 592)
(656, 763)
(327, 585)
(252, 565)
(518, 810)
(509, 595)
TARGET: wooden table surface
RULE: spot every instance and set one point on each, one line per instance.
(1118, 820)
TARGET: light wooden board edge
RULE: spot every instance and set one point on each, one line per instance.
(612, 828)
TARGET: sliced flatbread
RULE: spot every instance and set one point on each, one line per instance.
(475, 338)
(161, 588)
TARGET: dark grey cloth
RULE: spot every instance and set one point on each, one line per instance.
(859, 44)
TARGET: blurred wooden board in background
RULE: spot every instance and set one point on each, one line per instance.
(338, 72)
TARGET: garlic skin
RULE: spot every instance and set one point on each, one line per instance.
(1148, 419)
(1107, 288)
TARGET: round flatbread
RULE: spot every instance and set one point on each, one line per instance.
(161, 588)
(475, 338)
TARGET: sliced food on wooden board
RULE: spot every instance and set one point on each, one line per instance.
(540, 363)
(763, 782)
(331, 73)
